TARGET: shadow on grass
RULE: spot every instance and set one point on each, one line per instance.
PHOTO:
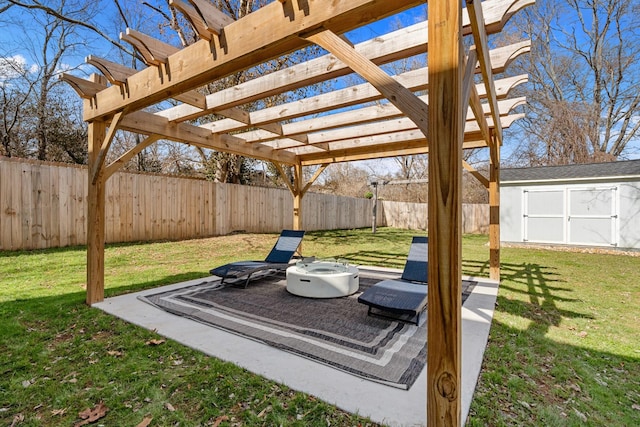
(529, 378)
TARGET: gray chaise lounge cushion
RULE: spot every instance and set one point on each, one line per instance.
(277, 260)
(406, 297)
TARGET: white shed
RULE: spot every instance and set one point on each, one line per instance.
(595, 204)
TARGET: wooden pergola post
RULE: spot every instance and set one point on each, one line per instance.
(446, 133)
(297, 197)
(494, 211)
(95, 216)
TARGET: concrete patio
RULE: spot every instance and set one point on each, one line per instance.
(383, 404)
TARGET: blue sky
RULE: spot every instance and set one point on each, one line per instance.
(14, 40)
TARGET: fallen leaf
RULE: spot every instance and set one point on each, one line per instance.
(17, 419)
(90, 415)
(582, 334)
(525, 404)
(636, 407)
(575, 387)
(146, 421)
(59, 411)
(114, 353)
(580, 415)
(219, 420)
(154, 342)
(169, 406)
(27, 383)
(264, 411)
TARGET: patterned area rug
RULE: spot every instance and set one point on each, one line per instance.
(334, 331)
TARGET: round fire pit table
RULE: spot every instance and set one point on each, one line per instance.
(322, 279)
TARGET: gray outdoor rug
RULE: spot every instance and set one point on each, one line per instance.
(334, 331)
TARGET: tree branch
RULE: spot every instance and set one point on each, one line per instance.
(52, 12)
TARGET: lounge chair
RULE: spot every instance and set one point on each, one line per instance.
(405, 298)
(277, 260)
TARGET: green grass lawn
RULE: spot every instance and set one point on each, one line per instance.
(564, 347)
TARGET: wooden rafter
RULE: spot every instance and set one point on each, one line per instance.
(480, 36)
(86, 89)
(279, 34)
(414, 80)
(396, 45)
(386, 145)
(205, 18)
(410, 105)
(379, 133)
(154, 52)
(359, 123)
(470, 94)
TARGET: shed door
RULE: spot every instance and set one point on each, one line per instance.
(544, 216)
(578, 216)
(592, 216)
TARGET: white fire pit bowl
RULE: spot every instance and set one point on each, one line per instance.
(322, 279)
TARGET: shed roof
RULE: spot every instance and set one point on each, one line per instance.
(629, 168)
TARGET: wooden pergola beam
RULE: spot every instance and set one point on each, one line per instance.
(215, 19)
(381, 132)
(278, 26)
(147, 123)
(411, 146)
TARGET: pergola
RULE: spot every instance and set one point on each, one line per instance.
(466, 107)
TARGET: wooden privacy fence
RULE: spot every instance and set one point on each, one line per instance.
(413, 216)
(44, 205)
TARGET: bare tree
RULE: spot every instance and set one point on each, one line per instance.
(35, 101)
(584, 96)
(345, 179)
(15, 92)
